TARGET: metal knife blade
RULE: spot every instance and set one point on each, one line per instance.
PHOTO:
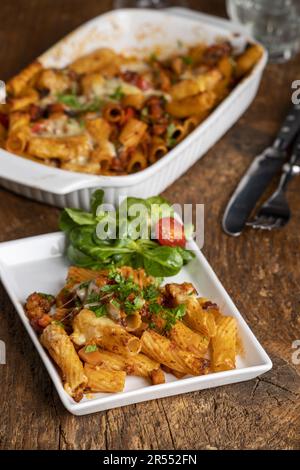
(259, 175)
(250, 188)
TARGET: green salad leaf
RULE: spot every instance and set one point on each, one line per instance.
(86, 249)
(96, 200)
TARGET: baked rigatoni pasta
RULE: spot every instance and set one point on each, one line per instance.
(105, 332)
(162, 350)
(113, 114)
(104, 380)
(224, 344)
(138, 364)
(61, 349)
(105, 325)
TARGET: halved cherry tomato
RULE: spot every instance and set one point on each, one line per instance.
(129, 113)
(170, 232)
(142, 83)
(37, 128)
(137, 80)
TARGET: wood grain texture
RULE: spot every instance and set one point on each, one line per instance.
(261, 271)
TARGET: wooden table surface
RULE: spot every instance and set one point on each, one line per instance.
(261, 271)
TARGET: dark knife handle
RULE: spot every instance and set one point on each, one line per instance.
(295, 156)
(242, 202)
(292, 167)
(289, 129)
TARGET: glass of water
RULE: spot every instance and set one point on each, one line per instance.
(146, 3)
(275, 23)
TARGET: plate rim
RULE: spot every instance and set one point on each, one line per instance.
(104, 402)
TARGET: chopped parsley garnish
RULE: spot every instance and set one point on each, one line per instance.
(131, 307)
(170, 315)
(127, 296)
(153, 57)
(108, 288)
(138, 302)
(123, 287)
(99, 311)
(69, 100)
(59, 323)
(115, 303)
(73, 101)
(115, 275)
(90, 348)
(118, 94)
(91, 298)
(155, 308)
(171, 141)
(84, 284)
(144, 112)
(150, 293)
(48, 297)
(187, 60)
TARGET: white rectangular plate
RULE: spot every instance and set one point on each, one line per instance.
(38, 264)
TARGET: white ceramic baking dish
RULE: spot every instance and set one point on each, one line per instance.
(133, 31)
(38, 264)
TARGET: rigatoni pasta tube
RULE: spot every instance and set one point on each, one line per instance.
(95, 61)
(143, 366)
(65, 148)
(77, 274)
(102, 157)
(192, 105)
(18, 132)
(104, 380)
(92, 84)
(133, 322)
(113, 112)
(200, 83)
(17, 84)
(224, 344)
(177, 132)
(138, 364)
(30, 97)
(135, 100)
(132, 133)
(137, 161)
(248, 59)
(166, 352)
(190, 124)
(99, 357)
(157, 149)
(184, 88)
(106, 333)
(188, 339)
(199, 319)
(99, 129)
(60, 347)
(53, 80)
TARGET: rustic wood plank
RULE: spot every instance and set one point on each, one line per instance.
(261, 271)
